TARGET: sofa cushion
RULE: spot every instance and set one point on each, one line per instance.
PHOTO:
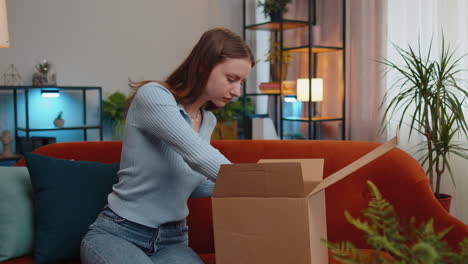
(16, 217)
(68, 196)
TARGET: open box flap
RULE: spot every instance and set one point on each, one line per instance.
(361, 162)
(260, 180)
(312, 171)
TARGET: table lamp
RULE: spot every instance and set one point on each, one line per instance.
(303, 90)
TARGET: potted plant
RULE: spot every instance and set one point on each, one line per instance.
(274, 8)
(227, 119)
(394, 242)
(113, 109)
(432, 87)
(279, 61)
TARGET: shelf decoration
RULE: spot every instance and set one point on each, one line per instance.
(274, 8)
(59, 122)
(289, 87)
(11, 77)
(7, 139)
(279, 61)
(44, 75)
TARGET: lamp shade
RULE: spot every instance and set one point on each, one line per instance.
(4, 36)
(303, 90)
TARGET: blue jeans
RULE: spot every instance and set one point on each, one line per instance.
(116, 240)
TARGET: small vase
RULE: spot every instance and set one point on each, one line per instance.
(59, 122)
(275, 72)
(275, 16)
(39, 79)
(44, 79)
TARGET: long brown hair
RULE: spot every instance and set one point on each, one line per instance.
(187, 82)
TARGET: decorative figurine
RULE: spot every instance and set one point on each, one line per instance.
(7, 140)
(11, 77)
(44, 76)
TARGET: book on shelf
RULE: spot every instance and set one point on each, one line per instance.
(289, 87)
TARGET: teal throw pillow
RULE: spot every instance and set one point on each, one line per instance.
(16, 213)
(68, 196)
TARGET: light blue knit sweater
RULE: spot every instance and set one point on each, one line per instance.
(164, 161)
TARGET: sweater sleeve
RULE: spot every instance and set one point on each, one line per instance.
(205, 189)
(155, 111)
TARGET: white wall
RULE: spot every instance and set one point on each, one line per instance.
(105, 42)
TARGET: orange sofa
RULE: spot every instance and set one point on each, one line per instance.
(399, 177)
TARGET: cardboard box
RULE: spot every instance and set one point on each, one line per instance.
(274, 211)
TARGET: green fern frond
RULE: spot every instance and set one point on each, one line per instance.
(464, 246)
(364, 226)
(374, 191)
(444, 232)
(383, 243)
(406, 242)
(383, 217)
(425, 252)
(464, 251)
(346, 252)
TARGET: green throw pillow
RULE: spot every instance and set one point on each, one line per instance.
(16, 213)
(68, 196)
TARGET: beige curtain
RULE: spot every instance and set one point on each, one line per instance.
(366, 44)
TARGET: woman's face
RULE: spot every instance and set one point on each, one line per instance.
(225, 80)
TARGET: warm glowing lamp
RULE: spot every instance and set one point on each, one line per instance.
(303, 90)
(4, 36)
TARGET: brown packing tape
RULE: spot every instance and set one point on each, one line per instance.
(361, 162)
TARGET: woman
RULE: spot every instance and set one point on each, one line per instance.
(167, 157)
